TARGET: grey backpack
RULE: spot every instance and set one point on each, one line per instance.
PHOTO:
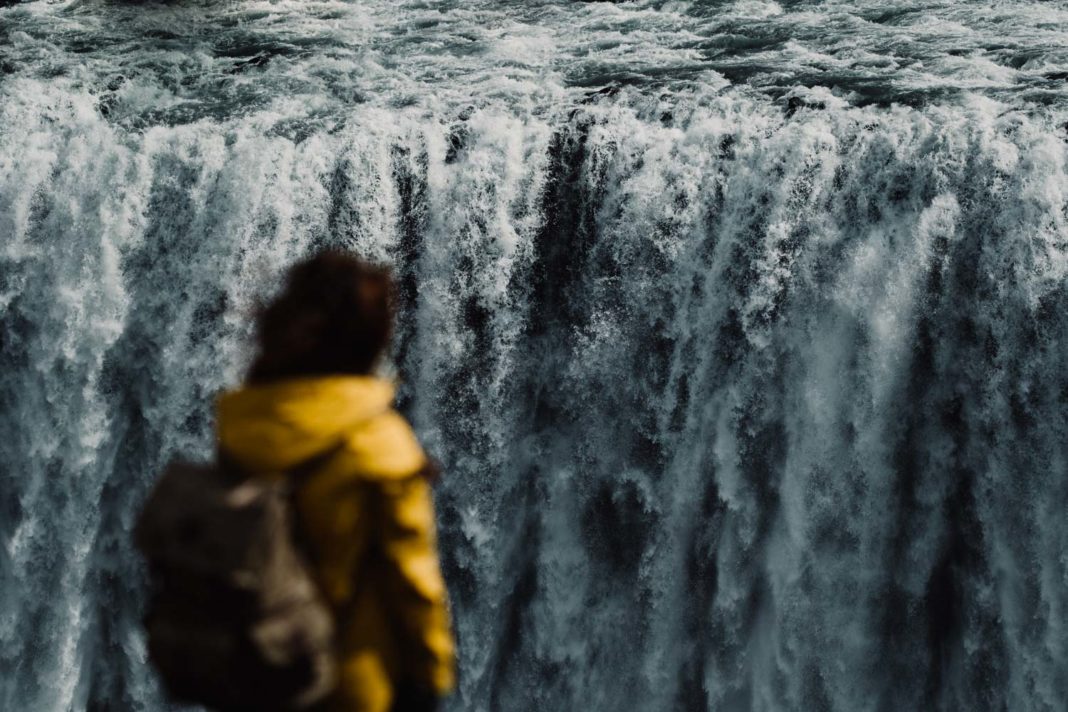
(235, 620)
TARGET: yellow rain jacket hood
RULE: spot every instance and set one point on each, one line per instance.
(368, 517)
(278, 426)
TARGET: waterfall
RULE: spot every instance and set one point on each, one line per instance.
(743, 404)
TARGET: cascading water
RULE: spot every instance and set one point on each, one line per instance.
(740, 328)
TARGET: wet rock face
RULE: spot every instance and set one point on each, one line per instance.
(746, 398)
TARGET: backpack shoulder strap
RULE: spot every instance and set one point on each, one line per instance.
(299, 474)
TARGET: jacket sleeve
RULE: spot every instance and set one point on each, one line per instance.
(415, 586)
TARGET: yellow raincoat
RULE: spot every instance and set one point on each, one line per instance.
(368, 517)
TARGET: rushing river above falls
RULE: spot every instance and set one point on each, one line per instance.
(740, 328)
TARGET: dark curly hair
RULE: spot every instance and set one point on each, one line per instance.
(334, 316)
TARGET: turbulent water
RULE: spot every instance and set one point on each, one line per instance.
(740, 328)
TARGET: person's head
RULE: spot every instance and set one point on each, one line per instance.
(334, 316)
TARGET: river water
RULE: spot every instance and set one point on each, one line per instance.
(739, 327)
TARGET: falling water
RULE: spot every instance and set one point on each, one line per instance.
(740, 328)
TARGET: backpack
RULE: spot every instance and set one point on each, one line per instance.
(235, 620)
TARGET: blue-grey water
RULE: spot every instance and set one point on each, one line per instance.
(739, 327)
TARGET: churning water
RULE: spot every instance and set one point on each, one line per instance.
(740, 327)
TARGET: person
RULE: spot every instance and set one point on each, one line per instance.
(364, 511)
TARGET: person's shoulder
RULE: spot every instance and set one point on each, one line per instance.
(383, 447)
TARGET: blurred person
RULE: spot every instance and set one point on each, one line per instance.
(363, 503)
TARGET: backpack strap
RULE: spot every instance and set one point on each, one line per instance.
(295, 477)
(299, 474)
